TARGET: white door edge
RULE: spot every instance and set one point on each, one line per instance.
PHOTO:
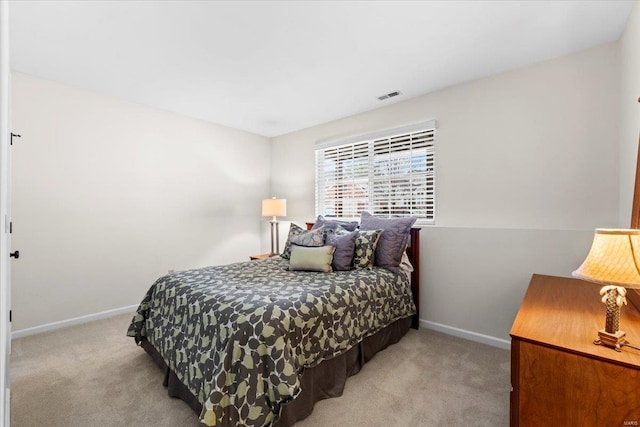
(5, 135)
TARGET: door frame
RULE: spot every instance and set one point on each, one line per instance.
(5, 281)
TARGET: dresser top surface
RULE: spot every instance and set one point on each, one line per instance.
(567, 314)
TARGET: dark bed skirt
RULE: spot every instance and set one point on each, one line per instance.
(320, 382)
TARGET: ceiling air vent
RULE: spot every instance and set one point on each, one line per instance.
(389, 95)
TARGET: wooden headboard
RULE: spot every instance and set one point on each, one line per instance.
(413, 252)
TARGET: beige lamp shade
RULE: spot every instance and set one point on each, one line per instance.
(274, 207)
(613, 259)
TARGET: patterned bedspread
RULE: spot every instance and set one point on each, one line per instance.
(240, 335)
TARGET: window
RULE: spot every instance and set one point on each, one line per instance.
(389, 174)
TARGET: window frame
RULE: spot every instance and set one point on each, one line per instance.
(430, 151)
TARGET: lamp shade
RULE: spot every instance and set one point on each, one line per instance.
(274, 207)
(613, 259)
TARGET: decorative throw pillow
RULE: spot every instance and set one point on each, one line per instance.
(332, 224)
(365, 248)
(309, 238)
(311, 258)
(294, 230)
(405, 263)
(394, 238)
(345, 243)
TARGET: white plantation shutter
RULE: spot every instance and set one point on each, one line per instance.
(389, 174)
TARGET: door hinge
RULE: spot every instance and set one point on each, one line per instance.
(10, 227)
(10, 316)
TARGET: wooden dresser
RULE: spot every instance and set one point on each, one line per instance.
(558, 376)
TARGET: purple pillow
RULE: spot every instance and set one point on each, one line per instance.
(332, 224)
(394, 238)
(345, 243)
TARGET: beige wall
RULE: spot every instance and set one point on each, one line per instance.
(629, 111)
(108, 195)
(527, 167)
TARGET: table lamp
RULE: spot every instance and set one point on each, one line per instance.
(274, 208)
(613, 261)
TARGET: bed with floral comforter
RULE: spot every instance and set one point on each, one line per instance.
(239, 336)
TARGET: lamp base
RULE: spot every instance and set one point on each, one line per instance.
(615, 340)
(275, 237)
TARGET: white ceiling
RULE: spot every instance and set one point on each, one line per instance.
(275, 67)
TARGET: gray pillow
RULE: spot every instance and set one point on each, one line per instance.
(312, 238)
(334, 223)
(311, 258)
(394, 238)
(294, 230)
(345, 243)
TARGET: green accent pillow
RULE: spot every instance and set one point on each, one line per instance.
(305, 258)
(364, 253)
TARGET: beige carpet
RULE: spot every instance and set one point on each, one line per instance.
(93, 375)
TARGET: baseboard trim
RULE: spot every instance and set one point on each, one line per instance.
(71, 322)
(469, 335)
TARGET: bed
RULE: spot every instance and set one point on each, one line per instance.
(254, 343)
